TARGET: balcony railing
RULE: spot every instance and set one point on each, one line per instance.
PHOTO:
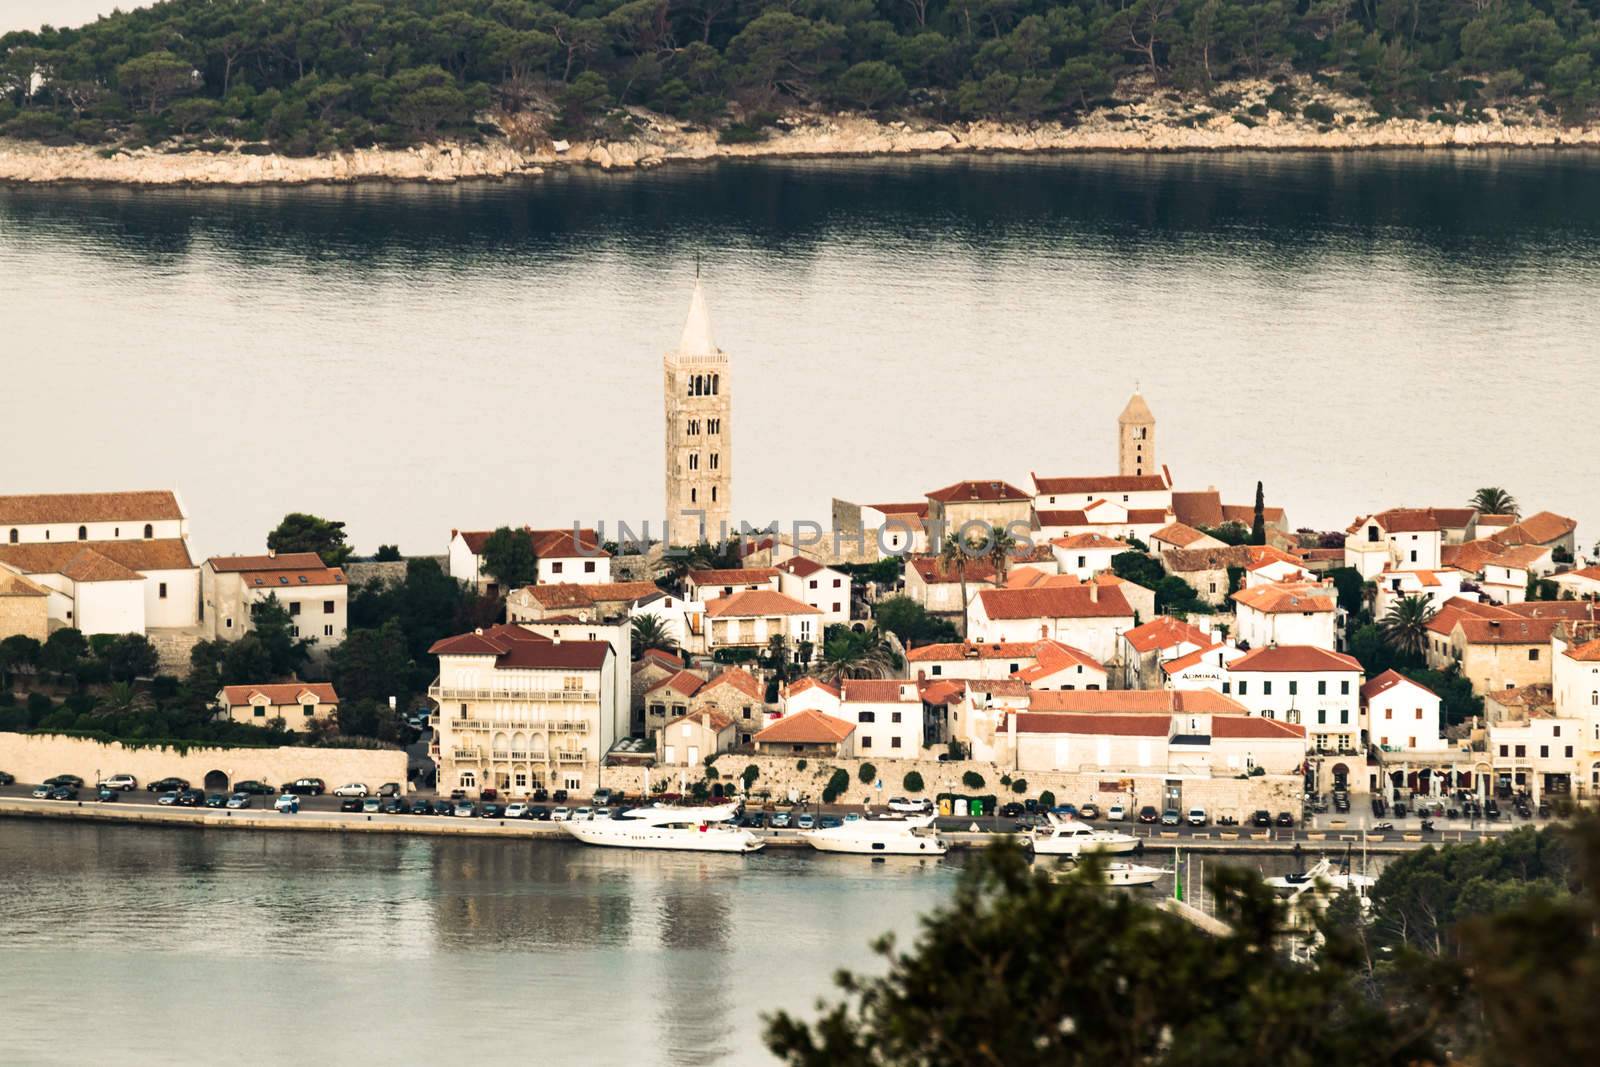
(444, 693)
(466, 753)
(572, 726)
(569, 757)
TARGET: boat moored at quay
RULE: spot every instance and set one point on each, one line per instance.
(879, 837)
(661, 827)
(1068, 837)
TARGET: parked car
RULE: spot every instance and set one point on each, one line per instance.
(828, 822)
(516, 810)
(251, 787)
(191, 798)
(167, 785)
(352, 789)
(1261, 818)
(806, 822)
(389, 789)
(465, 809)
(65, 779)
(1284, 819)
(64, 792)
(1197, 817)
(350, 804)
(216, 800)
(7, 779)
(907, 806)
(583, 814)
(755, 820)
(42, 792)
(444, 807)
(1066, 811)
(306, 787)
(561, 814)
(604, 813)
(106, 793)
(1171, 817)
(491, 811)
(1012, 810)
(122, 782)
(1491, 809)
(852, 817)
(168, 798)
(239, 800)
(370, 805)
(539, 813)
(1116, 813)
(289, 804)
(1148, 814)
(602, 797)
(422, 807)
(780, 820)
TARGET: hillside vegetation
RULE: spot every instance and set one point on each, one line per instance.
(311, 76)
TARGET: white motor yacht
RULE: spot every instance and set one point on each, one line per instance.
(685, 829)
(1323, 877)
(879, 837)
(1068, 837)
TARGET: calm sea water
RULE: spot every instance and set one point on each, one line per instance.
(152, 945)
(1355, 330)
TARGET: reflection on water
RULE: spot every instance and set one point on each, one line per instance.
(1271, 305)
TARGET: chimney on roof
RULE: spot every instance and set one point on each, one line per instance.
(272, 553)
(922, 676)
(1094, 593)
(908, 691)
(478, 631)
(556, 637)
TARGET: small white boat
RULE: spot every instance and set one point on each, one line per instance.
(661, 827)
(1068, 837)
(1323, 878)
(1120, 873)
(879, 837)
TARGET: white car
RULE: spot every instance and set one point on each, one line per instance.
(518, 810)
(1116, 813)
(288, 803)
(123, 782)
(1197, 817)
(561, 815)
(351, 789)
(910, 807)
(583, 814)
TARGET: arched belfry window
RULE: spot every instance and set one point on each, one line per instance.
(83, 533)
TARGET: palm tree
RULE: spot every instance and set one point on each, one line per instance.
(953, 556)
(1001, 548)
(649, 631)
(778, 660)
(1494, 501)
(120, 699)
(1405, 625)
(847, 654)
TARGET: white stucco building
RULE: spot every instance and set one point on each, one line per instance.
(1088, 617)
(316, 595)
(887, 714)
(750, 619)
(824, 588)
(1304, 684)
(564, 555)
(1397, 539)
(1402, 715)
(1297, 613)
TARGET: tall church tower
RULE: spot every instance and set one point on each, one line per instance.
(1136, 438)
(699, 447)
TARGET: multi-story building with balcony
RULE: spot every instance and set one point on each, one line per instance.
(518, 711)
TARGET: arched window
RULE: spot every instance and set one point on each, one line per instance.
(713, 494)
(694, 494)
(83, 533)
(149, 531)
(715, 381)
(13, 536)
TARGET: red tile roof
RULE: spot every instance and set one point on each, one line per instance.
(1111, 483)
(801, 685)
(735, 678)
(757, 602)
(954, 650)
(663, 657)
(90, 566)
(1444, 620)
(516, 648)
(1164, 631)
(1586, 653)
(1031, 722)
(1136, 701)
(808, 727)
(919, 509)
(879, 691)
(1401, 520)
(1191, 560)
(279, 693)
(1295, 658)
(281, 578)
(1278, 599)
(1506, 631)
(1521, 557)
(1178, 534)
(932, 571)
(1054, 656)
(17, 585)
(49, 557)
(1091, 541)
(1254, 726)
(1471, 556)
(684, 683)
(547, 544)
(1387, 681)
(800, 567)
(942, 691)
(1057, 602)
(139, 506)
(1543, 528)
(978, 491)
(1576, 610)
(732, 576)
(286, 561)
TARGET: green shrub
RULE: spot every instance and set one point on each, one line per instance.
(1244, 120)
(749, 775)
(1318, 112)
(800, 765)
(1005, 779)
(1019, 786)
(957, 750)
(39, 704)
(740, 133)
(836, 786)
(868, 773)
(1047, 799)
(972, 780)
(912, 782)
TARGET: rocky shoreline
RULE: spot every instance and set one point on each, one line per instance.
(1156, 124)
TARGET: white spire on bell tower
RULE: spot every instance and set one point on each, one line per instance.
(697, 339)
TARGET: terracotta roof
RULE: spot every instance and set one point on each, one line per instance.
(757, 602)
(1053, 656)
(49, 557)
(1189, 560)
(1401, 520)
(1591, 573)
(1543, 528)
(1245, 514)
(1136, 701)
(1492, 519)
(736, 678)
(999, 687)
(720, 721)
(879, 691)
(1277, 599)
(516, 648)
(1071, 517)
(37, 508)
(1587, 653)
(979, 490)
(1253, 726)
(1184, 662)
(932, 571)
(1471, 556)
(279, 693)
(1387, 681)
(953, 650)
(272, 562)
(684, 683)
(1164, 631)
(1178, 534)
(1506, 631)
(1091, 541)
(1136, 411)
(919, 509)
(1576, 610)
(1033, 722)
(1203, 508)
(801, 685)
(942, 691)
(1455, 518)
(662, 657)
(1261, 555)
(801, 567)
(17, 585)
(90, 566)
(1521, 557)
(1055, 603)
(547, 544)
(1111, 483)
(808, 727)
(283, 577)
(732, 576)
(1295, 658)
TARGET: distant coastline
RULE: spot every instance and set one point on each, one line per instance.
(1154, 125)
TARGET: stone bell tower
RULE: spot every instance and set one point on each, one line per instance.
(698, 398)
(1136, 438)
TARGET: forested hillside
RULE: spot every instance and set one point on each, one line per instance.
(314, 75)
